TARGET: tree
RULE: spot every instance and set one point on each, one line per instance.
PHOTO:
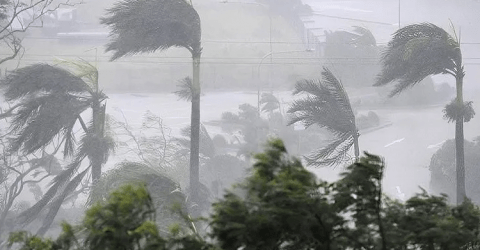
(442, 170)
(140, 26)
(420, 50)
(281, 205)
(49, 103)
(124, 221)
(18, 173)
(327, 105)
(353, 54)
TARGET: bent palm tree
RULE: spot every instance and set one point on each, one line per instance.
(420, 50)
(166, 193)
(327, 105)
(50, 101)
(145, 26)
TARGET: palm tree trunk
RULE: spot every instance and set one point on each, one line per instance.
(355, 145)
(98, 119)
(459, 141)
(195, 131)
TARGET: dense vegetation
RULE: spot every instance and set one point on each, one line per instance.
(281, 205)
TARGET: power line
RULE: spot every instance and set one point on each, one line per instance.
(215, 41)
(213, 58)
(242, 63)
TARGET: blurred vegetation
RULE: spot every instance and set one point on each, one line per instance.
(281, 205)
(442, 170)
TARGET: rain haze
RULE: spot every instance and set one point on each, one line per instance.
(253, 55)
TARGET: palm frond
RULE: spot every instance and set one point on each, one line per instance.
(326, 105)
(40, 78)
(269, 102)
(207, 147)
(453, 111)
(365, 36)
(332, 154)
(32, 213)
(84, 70)
(139, 26)
(40, 119)
(128, 172)
(96, 146)
(58, 201)
(415, 52)
(165, 191)
(185, 89)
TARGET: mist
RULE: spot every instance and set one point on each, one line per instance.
(253, 53)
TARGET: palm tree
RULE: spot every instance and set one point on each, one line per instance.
(166, 193)
(420, 50)
(145, 26)
(49, 103)
(327, 105)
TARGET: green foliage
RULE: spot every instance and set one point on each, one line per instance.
(30, 242)
(166, 193)
(123, 222)
(326, 105)
(282, 206)
(126, 220)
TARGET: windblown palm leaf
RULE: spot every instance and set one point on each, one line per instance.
(326, 105)
(364, 37)
(417, 51)
(166, 193)
(139, 26)
(49, 106)
(50, 100)
(186, 89)
(207, 148)
(270, 102)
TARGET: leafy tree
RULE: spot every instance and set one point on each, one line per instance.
(282, 205)
(327, 105)
(252, 128)
(125, 220)
(420, 50)
(140, 26)
(49, 103)
(353, 55)
(442, 170)
(166, 193)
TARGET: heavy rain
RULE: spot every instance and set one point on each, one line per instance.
(221, 109)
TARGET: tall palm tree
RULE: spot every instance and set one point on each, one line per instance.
(420, 50)
(145, 26)
(327, 105)
(49, 103)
